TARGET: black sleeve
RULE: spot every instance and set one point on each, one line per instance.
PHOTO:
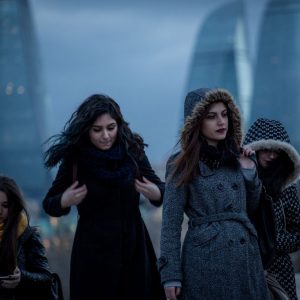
(147, 171)
(36, 273)
(52, 201)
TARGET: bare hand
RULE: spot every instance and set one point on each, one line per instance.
(244, 159)
(73, 195)
(247, 151)
(148, 189)
(13, 280)
(172, 292)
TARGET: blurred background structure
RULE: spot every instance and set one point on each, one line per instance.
(146, 55)
(22, 104)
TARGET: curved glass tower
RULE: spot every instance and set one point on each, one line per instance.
(22, 101)
(220, 58)
(276, 90)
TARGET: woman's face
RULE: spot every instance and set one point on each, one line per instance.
(3, 207)
(215, 124)
(103, 132)
(265, 157)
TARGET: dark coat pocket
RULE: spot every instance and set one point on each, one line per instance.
(202, 236)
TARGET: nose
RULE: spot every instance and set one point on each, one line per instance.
(221, 120)
(105, 134)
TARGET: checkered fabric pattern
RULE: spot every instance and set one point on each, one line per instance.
(271, 134)
(287, 216)
(265, 129)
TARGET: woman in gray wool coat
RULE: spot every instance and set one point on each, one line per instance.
(279, 168)
(216, 185)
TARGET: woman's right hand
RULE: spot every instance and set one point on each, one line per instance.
(13, 281)
(172, 292)
(73, 195)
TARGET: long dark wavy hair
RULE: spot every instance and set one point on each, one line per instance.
(186, 163)
(16, 205)
(75, 132)
(275, 175)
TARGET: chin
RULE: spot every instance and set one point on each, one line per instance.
(104, 147)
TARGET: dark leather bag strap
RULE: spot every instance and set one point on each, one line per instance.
(74, 172)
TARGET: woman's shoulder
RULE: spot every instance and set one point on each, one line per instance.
(30, 234)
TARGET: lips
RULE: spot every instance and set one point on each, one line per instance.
(221, 130)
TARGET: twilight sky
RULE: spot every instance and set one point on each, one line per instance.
(136, 51)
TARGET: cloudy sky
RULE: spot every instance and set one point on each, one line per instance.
(136, 51)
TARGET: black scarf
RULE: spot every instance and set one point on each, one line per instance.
(113, 166)
(215, 157)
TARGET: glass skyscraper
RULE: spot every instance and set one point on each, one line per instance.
(220, 57)
(22, 100)
(276, 90)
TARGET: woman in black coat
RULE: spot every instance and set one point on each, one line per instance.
(24, 267)
(103, 169)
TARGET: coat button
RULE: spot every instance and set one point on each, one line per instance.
(242, 241)
(235, 186)
(162, 260)
(220, 186)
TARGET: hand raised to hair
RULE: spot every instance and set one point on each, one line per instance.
(73, 195)
(149, 189)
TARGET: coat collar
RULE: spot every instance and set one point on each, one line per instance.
(205, 170)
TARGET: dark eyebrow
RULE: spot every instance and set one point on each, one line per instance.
(213, 112)
(110, 124)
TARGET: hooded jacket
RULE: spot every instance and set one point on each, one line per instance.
(219, 258)
(270, 134)
(197, 102)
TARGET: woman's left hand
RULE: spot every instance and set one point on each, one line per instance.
(247, 151)
(149, 189)
(13, 280)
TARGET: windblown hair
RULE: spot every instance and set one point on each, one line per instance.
(186, 163)
(75, 132)
(275, 176)
(16, 205)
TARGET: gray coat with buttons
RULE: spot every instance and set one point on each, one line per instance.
(219, 258)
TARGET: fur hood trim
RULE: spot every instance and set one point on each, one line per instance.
(292, 153)
(197, 102)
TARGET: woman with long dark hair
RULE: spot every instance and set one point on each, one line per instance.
(24, 270)
(215, 184)
(103, 169)
(279, 168)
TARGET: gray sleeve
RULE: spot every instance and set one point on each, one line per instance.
(169, 263)
(172, 284)
(253, 187)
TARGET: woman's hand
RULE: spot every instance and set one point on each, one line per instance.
(244, 159)
(13, 280)
(148, 189)
(247, 151)
(73, 195)
(172, 292)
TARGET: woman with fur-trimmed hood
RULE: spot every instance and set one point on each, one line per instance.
(279, 168)
(215, 186)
